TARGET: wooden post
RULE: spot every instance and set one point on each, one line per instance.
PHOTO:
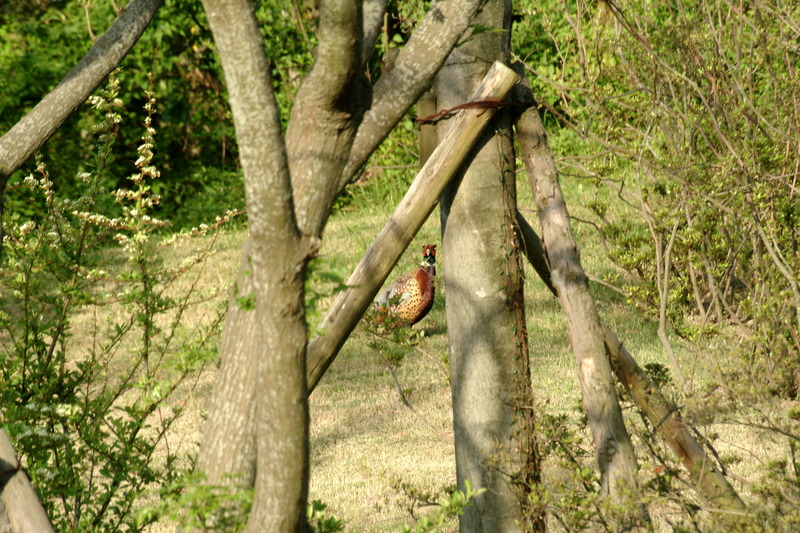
(20, 509)
(614, 451)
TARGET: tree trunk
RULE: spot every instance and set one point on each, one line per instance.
(266, 333)
(20, 509)
(426, 107)
(289, 193)
(484, 305)
(614, 451)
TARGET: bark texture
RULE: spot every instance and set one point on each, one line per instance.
(614, 451)
(416, 65)
(490, 378)
(289, 196)
(20, 509)
(426, 106)
(263, 362)
(21, 141)
(328, 109)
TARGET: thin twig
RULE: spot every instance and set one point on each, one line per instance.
(411, 408)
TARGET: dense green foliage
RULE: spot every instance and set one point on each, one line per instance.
(685, 115)
(197, 148)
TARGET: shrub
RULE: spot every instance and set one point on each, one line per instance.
(95, 342)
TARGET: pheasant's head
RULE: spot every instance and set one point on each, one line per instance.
(429, 257)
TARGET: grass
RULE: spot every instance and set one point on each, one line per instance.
(368, 448)
(365, 443)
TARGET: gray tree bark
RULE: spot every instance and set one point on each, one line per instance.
(265, 340)
(416, 65)
(20, 509)
(490, 377)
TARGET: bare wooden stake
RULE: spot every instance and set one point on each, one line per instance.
(614, 451)
(20, 509)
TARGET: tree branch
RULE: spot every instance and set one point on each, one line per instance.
(327, 111)
(418, 62)
(28, 135)
(614, 451)
(646, 395)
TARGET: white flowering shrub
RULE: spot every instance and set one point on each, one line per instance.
(94, 345)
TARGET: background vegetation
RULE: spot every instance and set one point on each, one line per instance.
(676, 127)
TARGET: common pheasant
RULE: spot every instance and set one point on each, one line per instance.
(411, 297)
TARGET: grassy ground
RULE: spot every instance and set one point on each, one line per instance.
(369, 449)
(366, 445)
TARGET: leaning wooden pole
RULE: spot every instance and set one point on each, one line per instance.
(20, 509)
(613, 448)
(662, 414)
(350, 304)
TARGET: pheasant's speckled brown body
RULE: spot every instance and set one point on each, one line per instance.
(411, 297)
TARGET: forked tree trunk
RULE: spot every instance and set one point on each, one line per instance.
(490, 377)
(265, 336)
(614, 451)
(258, 425)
